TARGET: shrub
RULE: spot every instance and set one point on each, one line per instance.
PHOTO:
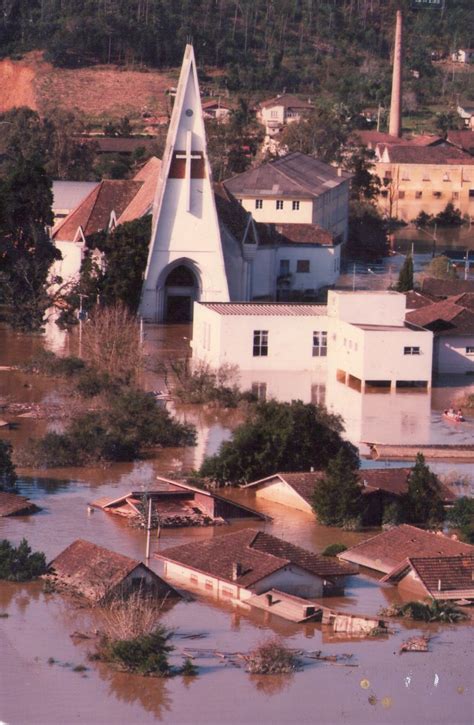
(392, 514)
(47, 363)
(7, 469)
(334, 549)
(146, 654)
(19, 564)
(432, 611)
(202, 384)
(188, 668)
(271, 658)
(462, 513)
(92, 382)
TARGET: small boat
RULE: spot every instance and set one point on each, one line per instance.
(455, 416)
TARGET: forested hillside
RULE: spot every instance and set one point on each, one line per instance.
(260, 43)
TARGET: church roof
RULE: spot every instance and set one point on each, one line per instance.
(230, 212)
(142, 202)
(294, 175)
(93, 214)
(128, 198)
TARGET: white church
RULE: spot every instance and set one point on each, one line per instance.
(206, 245)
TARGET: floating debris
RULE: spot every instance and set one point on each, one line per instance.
(416, 644)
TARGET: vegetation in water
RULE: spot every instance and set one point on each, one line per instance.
(334, 549)
(431, 611)
(19, 564)
(278, 437)
(423, 503)
(461, 516)
(146, 654)
(272, 657)
(201, 384)
(130, 423)
(8, 475)
(442, 268)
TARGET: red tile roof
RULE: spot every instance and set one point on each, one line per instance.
(258, 555)
(443, 288)
(279, 309)
(93, 213)
(372, 138)
(142, 202)
(447, 317)
(415, 300)
(443, 577)
(442, 154)
(388, 549)
(287, 234)
(462, 139)
(11, 504)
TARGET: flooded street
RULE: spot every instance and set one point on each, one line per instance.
(409, 688)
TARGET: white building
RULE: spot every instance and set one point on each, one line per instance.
(361, 337)
(463, 55)
(206, 247)
(296, 189)
(277, 112)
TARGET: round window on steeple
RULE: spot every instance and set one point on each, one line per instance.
(189, 112)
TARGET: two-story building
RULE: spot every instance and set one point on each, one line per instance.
(277, 112)
(296, 189)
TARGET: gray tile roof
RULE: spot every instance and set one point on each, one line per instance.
(294, 175)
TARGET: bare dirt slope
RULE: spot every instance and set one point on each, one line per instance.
(99, 92)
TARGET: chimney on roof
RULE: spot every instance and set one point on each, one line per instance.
(236, 570)
(339, 170)
(395, 126)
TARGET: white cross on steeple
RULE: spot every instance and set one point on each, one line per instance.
(188, 155)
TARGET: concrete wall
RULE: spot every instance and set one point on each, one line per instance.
(188, 578)
(292, 580)
(324, 265)
(69, 266)
(271, 215)
(450, 355)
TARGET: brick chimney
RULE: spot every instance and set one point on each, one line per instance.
(395, 126)
(236, 570)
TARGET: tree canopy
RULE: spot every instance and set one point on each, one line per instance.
(423, 503)
(278, 437)
(337, 498)
(7, 469)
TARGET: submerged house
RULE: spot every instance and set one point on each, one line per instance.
(443, 577)
(176, 504)
(380, 486)
(11, 504)
(388, 550)
(99, 574)
(249, 565)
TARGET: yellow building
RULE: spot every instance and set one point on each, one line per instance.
(424, 178)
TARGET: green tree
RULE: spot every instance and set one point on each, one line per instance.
(449, 217)
(323, 133)
(19, 564)
(405, 277)
(7, 469)
(337, 498)
(441, 268)
(423, 503)
(27, 252)
(364, 183)
(367, 231)
(278, 437)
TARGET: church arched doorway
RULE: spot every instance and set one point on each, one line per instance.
(181, 290)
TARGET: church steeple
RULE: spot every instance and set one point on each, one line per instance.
(185, 225)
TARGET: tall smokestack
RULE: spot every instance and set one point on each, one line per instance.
(395, 127)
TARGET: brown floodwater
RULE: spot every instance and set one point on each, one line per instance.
(384, 687)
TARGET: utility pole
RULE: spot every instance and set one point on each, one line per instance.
(148, 530)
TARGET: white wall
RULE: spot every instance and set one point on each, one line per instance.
(292, 580)
(450, 355)
(290, 340)
(324, 265)
(368, 308)
(269, 214)
(69, 266)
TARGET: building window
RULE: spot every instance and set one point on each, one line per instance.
(284, 267)
(455, 194)
(437, 194)
(405, 176)
(418, 194)
(209, 584)
(259, 391)
(227, 592)
(446, 177)
(302, 266)
(401, 194)
(384, 193)
(295, 205)
(318, 394)
(259, 203)
(388, 175)
(260, 343)
(471, 193)
(193, 579)
(279, 204)
(411, 350)
(426, 178)
(320, 344)
(470, 350)
(274, 114)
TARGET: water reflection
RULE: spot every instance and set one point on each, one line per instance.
(151, 694)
